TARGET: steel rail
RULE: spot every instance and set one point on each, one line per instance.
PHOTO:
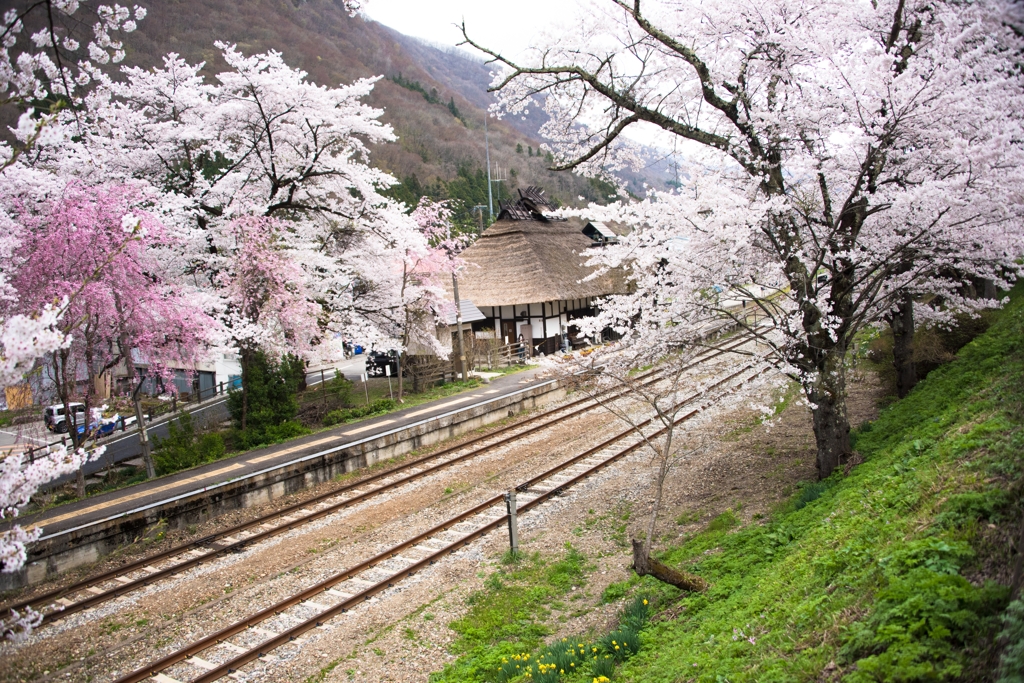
(153, 576)
(290, 634)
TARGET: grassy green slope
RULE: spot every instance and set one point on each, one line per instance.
(867, 582)
(884, 574)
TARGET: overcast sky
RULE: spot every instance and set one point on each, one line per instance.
(507, 26)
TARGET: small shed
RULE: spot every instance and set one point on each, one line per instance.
(527, 276)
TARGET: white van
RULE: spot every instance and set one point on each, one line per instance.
(54, 418)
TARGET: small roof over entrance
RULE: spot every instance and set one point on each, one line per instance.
(470, 313)
(599, 232)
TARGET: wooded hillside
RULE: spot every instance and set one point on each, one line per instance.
(435, 100)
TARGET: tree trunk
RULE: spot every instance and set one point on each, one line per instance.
(645, 565)
(458, 330)
(140, 419)
(659, 481)
(1018, 566)
(901, 321)
(246, 359)
(831, 425)
(401, 385)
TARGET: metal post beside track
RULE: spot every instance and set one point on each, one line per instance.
(513, 527)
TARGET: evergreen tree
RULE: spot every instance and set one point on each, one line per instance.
(271, 387)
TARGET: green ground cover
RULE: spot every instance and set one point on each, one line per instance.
(882, 574)
(508, 617)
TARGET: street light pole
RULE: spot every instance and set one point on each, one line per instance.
(487, 151)
(458, 329)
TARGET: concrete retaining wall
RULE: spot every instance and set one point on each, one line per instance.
(61, 551)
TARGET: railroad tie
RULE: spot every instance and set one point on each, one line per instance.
(123, 579)
(402, 558)
(363, 582)
(318, 606)
(231, 646)
(338, 594)
(161, 678)
(430, 548)
(264, 631)
(201, 663)
(95, 591)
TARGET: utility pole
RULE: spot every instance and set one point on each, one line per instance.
(487, 152)
(479, 209)
(458, 328)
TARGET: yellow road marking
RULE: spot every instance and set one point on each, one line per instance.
(367, 427)
(293, 449)
(440, 405)
(141, 494)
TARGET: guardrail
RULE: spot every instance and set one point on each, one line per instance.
(168, 408)
(508, 354)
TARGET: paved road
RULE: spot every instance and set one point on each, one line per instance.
(30, 435)
(125, 446)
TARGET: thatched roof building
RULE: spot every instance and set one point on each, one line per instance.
(527, 272)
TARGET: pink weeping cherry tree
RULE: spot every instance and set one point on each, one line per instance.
(97, 249)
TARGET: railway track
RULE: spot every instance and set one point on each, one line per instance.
(136, 575)
(250, 639)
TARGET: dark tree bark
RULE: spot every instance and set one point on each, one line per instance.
(645, 565)
(901, 322)
(1018, 566)
(246, 361)
(140, 419)
(831, 424)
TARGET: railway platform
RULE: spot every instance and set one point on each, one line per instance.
(84, 531)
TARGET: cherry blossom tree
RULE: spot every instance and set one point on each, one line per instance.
(428, 263)
(46, 68)
(842, 155)
(693, 379)
(268, 306)
(261, 141)
(96, 249)
(54, 66)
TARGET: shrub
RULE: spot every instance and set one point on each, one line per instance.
(723, 522)
(636, 613)
(809, 493)
(183, 448)
(921, 625)
(602, 665)
(378, 407)
(341, 389)
(621, 644)
(964, 507)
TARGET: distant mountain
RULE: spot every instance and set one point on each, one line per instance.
(434, 98)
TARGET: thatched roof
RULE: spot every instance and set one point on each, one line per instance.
(532, 261)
